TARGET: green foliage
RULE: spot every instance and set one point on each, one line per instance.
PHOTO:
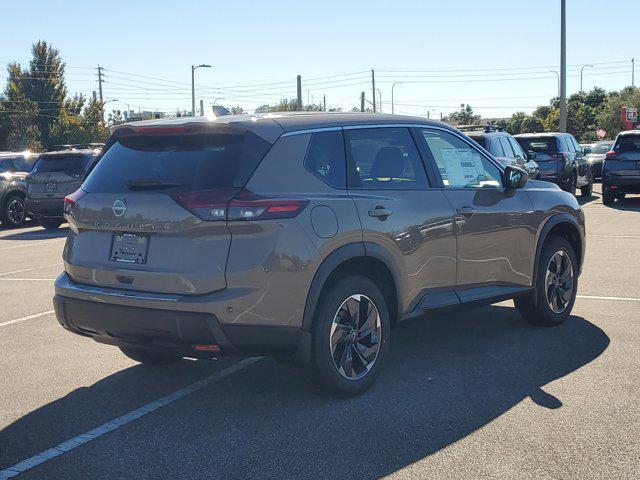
(464, 116)
(287, 105)
(608, 118)
(35, 112)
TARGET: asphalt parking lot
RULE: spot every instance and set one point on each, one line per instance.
(478, 394)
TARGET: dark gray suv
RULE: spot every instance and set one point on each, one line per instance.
(306, 237)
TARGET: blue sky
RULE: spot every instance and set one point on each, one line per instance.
(496, 55)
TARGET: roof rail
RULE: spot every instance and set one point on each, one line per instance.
(488, 128)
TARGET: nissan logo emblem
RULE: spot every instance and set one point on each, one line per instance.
(119, 207)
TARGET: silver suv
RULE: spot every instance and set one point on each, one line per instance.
(306, 237)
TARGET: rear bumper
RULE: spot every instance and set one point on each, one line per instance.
(629, 184)
(44, 207)
(173, 330)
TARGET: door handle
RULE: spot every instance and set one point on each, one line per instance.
(466, 211)
(380, 213)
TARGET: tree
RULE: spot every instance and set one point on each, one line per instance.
(608, 118)
(237, 111)
(115, 117)
(514, 124)
(464, 116)
(531, 125)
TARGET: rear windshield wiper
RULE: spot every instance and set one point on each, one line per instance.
(150, 184)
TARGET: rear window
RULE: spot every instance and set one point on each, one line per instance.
(480, 140)
(628, 143)
(539, 145)
(72, 165)
(177, 163)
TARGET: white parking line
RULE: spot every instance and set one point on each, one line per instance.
(620, 299)
(32, 243)
(28, 317)
(614, 236)
(27, 279)
(116, 423)
(31, 269)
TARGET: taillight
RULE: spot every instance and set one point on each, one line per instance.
(251, 207)
(611, 154)
(210, 205)
(71, 199)
(230, 204)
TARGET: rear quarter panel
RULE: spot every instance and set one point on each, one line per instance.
(277, 259)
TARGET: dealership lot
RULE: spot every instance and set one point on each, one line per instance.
(466, 395)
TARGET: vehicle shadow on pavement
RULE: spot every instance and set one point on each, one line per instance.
(630, 203)
(37, 234)
(447, 376)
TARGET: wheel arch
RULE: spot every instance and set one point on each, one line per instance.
(565, 226)
(364, 259)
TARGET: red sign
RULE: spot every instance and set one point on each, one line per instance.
(629, 117)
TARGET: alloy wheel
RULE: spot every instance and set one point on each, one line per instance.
(15, 211)
(356, 335)
(559, 282)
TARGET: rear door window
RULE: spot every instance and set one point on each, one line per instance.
(325, 158)
(177, 163)
(506, 146)
(383, 159)
(517, 149)
(495, 148)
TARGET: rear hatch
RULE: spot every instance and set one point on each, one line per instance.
(624, 159)
(547, 155)
(57, 175)
(151, 215)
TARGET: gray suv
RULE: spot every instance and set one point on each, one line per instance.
(306, 237)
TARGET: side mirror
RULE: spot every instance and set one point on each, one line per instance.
(531, 155)
(514, 177)
(586, 150)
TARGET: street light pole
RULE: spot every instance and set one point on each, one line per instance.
(380, 97)
(582, 70)
(392, 99)
(563, 66)
(193, 86)
(557, 75)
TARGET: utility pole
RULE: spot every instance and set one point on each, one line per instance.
(324, 103)
(100, 81)
(373, 89)
(201, 108)
(563, 66)
(299, 89)
(362, 102)
(633, 72)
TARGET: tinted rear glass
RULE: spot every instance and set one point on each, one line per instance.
(479, 139)
(177, 163)
(72, 165)
(628, 143)
(15, 164)
(541, 145)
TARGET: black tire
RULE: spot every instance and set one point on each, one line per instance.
(535, 308)
(50, 223)
(571, 185)
(149, 356)
(587, 190)
(608, 197)
(323, 366)
(13, 213)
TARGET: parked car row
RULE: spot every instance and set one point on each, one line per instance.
(34, 185)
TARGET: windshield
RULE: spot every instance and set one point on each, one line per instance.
(602, 147)
(177, 163)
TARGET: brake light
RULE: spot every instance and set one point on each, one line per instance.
(611, 154)
(251, 207)
(71, 199)
(210, 205)
(230, 204)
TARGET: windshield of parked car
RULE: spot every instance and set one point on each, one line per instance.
(601, 147)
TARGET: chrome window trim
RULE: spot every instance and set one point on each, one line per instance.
(310, 130)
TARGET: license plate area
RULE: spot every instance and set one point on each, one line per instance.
(129, 248)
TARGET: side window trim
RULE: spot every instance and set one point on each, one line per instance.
(432, 161)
